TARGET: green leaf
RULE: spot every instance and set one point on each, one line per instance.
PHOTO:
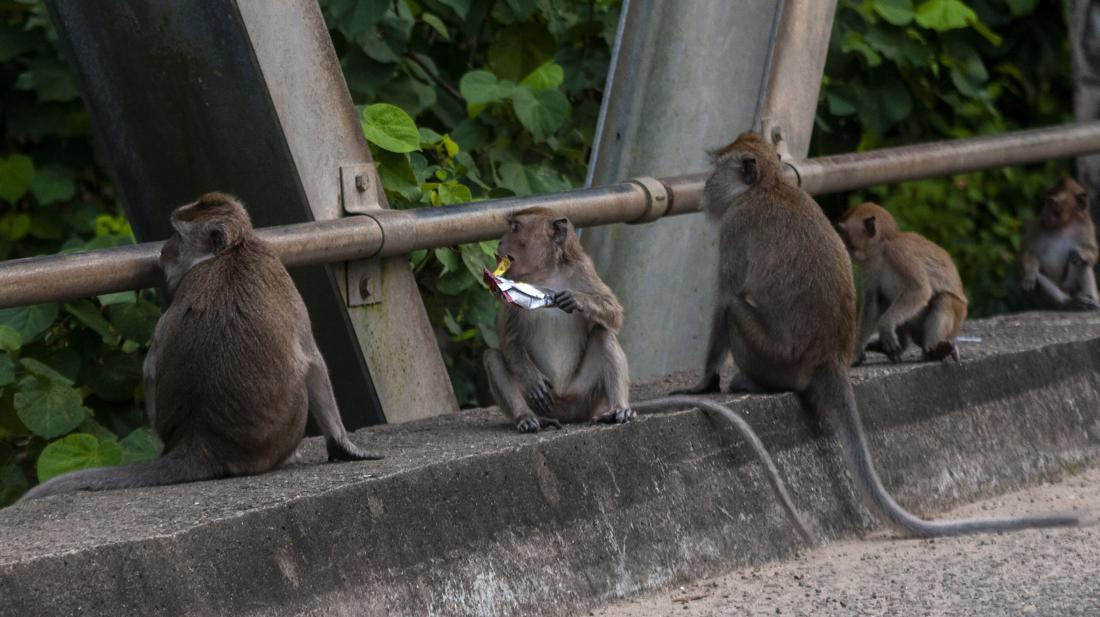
(897, 12)
(944, 15)
(53, 183)
(12, 484)
(428, 137)
(452, 193)
(140, 445)
(10, 340)
(117, 376)
(450, 146)
(7, 369)
(15, 225)
(45, 371)
(479, 87)
(436, 24)
(547, 77)
(531, 179)
(390, 128)
(29, 321)
(475, 260)
(87, 313)
(460, 7)
(853, 41)
(518, 50)
(118, 297)
(136, 321)
(541, 113)
(74, 452)
(454, 283)
(49, 407)
(16, 172)
(449, 258)
(396, 174)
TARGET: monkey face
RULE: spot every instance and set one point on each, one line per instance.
(1066, 203)
(534, 242)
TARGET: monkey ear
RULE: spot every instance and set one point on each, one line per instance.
(218, 238)
(869, 226)
(749, 171)
(1082, 201)
(561, 230)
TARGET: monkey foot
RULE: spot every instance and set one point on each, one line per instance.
(347, 451)
(709, 385)
(942, 351)
(532, 424)
(1082, 303)
(615, 416)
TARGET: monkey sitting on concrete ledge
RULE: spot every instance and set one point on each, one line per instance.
(911, 288)
(786, 311)
(1059, 251)
(233, 368)
(561, 363)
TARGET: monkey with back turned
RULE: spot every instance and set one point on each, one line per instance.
(233, 368)
(786, 311)
(1059, 251)
(911, 288)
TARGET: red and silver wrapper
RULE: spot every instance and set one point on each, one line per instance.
(523, 295)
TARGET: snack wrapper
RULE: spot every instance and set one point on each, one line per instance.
(523, 295)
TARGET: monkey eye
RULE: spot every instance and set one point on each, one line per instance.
(513, 226)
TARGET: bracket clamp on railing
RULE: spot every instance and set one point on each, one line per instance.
(658, 199)
(359, 194)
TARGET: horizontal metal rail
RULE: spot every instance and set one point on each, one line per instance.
(396, 232)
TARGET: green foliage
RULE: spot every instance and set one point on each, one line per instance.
(909, 71)
(69, 373)
(468, 100)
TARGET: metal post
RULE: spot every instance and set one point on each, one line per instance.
(688, 77)
(247, 97)
(1083, 21)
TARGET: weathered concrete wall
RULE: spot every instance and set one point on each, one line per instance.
(466, 517)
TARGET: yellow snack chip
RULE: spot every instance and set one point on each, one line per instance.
(502, 266)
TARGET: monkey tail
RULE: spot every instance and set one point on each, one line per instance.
(832, 393)
(731, 417)
(182, 464)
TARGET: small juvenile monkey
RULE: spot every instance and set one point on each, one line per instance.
(911, 288)
(561, 363)
(233, 367)
(1059, 251)
(786, 310)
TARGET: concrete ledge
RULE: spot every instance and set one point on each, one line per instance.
(465, 517)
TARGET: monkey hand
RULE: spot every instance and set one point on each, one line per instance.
(890, 345)
(1030, 280)
(532, 424)
(539, 394)
(566, 301)
(615, 416)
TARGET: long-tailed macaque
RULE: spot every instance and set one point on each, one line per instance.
(561, 363)
(564, 363)
(786, 310)
(1059, 251)
(911, 288)
(233, 367)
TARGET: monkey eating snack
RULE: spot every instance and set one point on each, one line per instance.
(522, 295)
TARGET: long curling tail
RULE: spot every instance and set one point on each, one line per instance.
(731, 417)
(177, 466)
(831, 393)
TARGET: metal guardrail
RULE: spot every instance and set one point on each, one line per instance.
(395, 232)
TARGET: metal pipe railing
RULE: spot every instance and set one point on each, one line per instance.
(387, 233)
